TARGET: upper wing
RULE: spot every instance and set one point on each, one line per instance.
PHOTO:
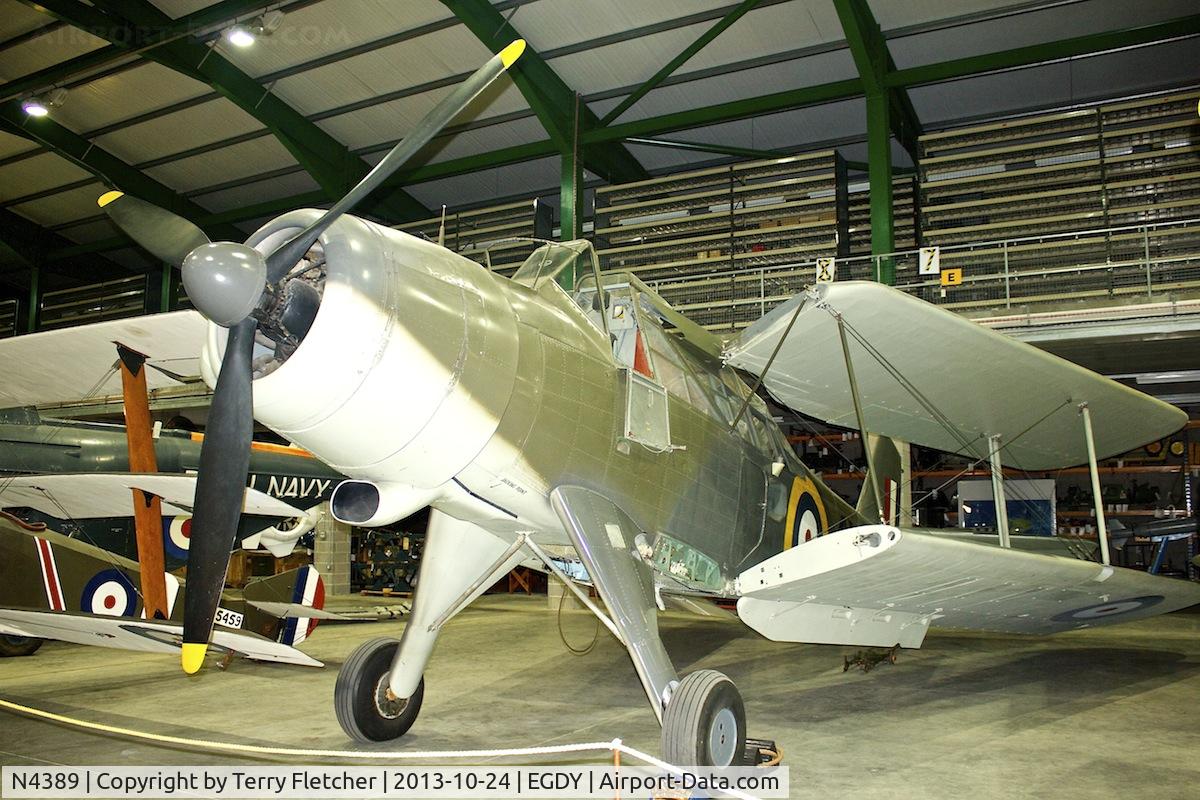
(123, 633)
(99, 495)
(65, 365)
(878, 585)
(966, 382)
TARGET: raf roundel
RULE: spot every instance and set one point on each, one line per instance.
(1113, 608)
(177, 532)
(109, 593)
(806, 518)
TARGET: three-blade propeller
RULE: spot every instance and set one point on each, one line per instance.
(228, 282)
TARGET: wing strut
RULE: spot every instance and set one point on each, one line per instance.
(1097, 498)
(862, 425)
(998, 496)
(767, 367)
(147, 508)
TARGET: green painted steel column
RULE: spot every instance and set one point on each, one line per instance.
(570, 199)
(167, 288)
(879, 171)
(32, 323)
(570, 195)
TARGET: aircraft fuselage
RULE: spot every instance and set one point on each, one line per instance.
(498, 390)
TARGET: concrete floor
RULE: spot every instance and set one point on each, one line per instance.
(1095, 714)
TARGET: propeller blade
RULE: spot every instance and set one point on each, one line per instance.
(167, 236)
(288, 255)
(220, 488)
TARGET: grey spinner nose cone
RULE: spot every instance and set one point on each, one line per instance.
(224, 280)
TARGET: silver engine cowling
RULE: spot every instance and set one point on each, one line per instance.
(406, 369)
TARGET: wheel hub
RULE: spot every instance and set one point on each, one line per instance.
(723, 737)
(386, 702)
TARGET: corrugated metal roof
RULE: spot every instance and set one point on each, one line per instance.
(43, 171)
(181, 8)
(257, 192)
(229, 163)
(17, 18)
(57, 44)
(381, 65)
(324, 28)
(735, 86)
(11, 144)
(131, 92)
(901, 13)
(57, 209)
(1034, 27)
(208, 122)
(489, 185)
(1060, 84)
(390, 121)
(436, 55)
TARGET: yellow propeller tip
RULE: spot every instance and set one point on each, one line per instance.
(511, 53)
(193, 657)
(107, 198)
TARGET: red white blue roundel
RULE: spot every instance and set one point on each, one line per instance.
(109, 593)
(1113, 608)
(177, 532)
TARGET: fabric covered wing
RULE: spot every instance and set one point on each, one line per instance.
(101, 495)
(64, 366)
(981, 382)
(892, 583)
(123, 633)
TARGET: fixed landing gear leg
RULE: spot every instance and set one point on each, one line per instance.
(380, 687)
(703, 718)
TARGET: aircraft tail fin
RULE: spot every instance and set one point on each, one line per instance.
(298, 587)
(888, 462)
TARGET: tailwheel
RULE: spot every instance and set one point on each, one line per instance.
(365, 706)
(704, 723)
(11, 646)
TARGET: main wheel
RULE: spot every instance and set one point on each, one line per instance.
(704, 723)
(18, 645)
(365, 706)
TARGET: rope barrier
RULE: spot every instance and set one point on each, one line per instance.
(616, 746)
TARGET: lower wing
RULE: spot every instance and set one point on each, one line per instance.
(877, 585)
(128, 633)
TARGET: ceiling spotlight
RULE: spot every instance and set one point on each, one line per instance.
(34, 107)
(40, 105)
(240, 36)
(244, 35)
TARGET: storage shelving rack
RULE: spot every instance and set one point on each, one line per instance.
(123, 297)
(8, 318)
(904, 216)
(1129, 163)
(471, 231)
(723, 221)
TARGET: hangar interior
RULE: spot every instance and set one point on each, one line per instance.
(1033, 167)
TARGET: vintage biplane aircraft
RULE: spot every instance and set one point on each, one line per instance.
(57, 587)
(529, 417)
(73, 476)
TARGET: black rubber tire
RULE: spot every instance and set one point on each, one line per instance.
(690, 716)
(12, 646)
(358, 687)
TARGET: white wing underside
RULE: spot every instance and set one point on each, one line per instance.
(879, 586)
(65, 366)
(979, 382)
(124, 633)
(103, 495)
